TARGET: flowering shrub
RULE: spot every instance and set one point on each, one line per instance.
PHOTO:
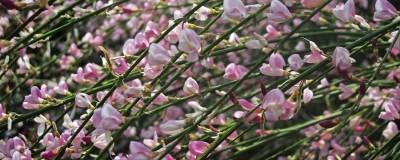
(199, 79)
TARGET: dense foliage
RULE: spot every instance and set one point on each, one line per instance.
(199, 79)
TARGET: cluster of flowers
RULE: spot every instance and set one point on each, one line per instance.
(169, 78)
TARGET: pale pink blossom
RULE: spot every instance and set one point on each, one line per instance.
(83, 100)
(24, 66)
(272, 33)
(275, 66)
(345, 12)
(36, 97)
(2, 112)
(61, 88)
(158, 55)
(202, 13)
(396, 48)
(107, 118)
(278, 12)
(324, 83)
(90, 73)
(121, 66)
(234, 72)
(253, 44)
(295, 62)
(172, 126)
(129, 47)
(189, 42)
(346, 91)
(341, 58)
(391, 112)
(66, 61)
(151, 30)
(14, 149)
(101, 138)
(394, 75)
(134, 88)
(74, 50)
(152, 72)
(384, 11)
(248, 107)
(234, 9)
(307, 95)
(391, 130)
(275, 105)
(316, 55)
(139, 151)
(160, 99)
(190, 87)
(196, 148)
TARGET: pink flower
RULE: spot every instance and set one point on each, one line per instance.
(234, 9)
(61, 88)
(345, 12)
(337, 147)
(391, 112)
(190, 87)
(362, 21)
(324, 83)
(160, 99)
(307, 95)
(295, 62)
(14, 148)
(346, 91)
(276, 106)
(141, 41)
(272, 33)
(151, 30)
(394, 75)
(83, 100)
(189, 42)
(152, 72)
(65, 61)
(101, 138)
(316, 55)
(36, 97)
(173, 112)
(202, 13)
(2, 112)
(74, 50)
(396, 48)
(134, 88)
(384, 11)
(158, 55)
(90, 73)
(391, 130)
(247, 107)
(278, 12)
(253, 44)
(311, 3)
(138, 151)
(234, 72)
(275, 66)
(122, 66)
(341, 59)
(24, 65)
(107, 118)
(197, 148)
(273, 104)
(172, 126)
(129, 47)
